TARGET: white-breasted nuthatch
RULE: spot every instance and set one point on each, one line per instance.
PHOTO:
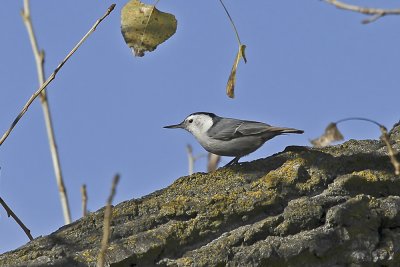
(229, 137)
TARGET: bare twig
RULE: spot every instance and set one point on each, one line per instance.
(39, 55)
(191, 158)
(12, 214)
(106, 224)
(372, 18)
(375, 13)
(392, 154)
(213, 161)
(53, 75)
(39, 58)
(84, 200)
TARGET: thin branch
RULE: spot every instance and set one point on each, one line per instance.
(392, 154)
(84, 200)
(372, 18)
(106, 224)
(12, 214)
(375, 13)
(39, 55)
(53, 75)
(213, 161)
(191, 158)
(39, 58)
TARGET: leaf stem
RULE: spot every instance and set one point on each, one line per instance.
(359, 119)
(231, 20)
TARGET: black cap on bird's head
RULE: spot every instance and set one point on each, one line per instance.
(212, 115)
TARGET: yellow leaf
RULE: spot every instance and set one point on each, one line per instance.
(230, 87)
(144, 27)
(331, 134)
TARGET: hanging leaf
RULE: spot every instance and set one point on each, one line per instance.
(331, 134)
(230, 87)
(144, 27)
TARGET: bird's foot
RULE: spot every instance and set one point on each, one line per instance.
(233, 162)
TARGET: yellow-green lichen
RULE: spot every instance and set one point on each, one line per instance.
(185, 261)
(177, 206)
(86, 256)
(283, 176)
(368, 175)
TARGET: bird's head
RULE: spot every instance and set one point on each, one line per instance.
(196, 123)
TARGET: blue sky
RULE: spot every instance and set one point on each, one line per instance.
(308, 64)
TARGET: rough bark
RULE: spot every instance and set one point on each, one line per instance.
(333, 206)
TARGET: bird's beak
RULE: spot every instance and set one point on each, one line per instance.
(180, 125)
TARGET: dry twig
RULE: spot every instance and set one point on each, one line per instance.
(12, 214)
(106, 224)
(53, 75)
(375, 13)
(213, 161)
(39, 58)
(191, 158)
(391, 152)
(84, 200)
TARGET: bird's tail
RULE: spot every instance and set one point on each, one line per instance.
(283, 130)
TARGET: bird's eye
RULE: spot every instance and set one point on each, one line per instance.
(191, 120)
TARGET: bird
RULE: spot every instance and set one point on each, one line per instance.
(227, 136)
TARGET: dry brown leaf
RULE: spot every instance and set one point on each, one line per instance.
(230, 87)
(144, 27)
(331, 134)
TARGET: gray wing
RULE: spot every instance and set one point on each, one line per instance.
(227, 129)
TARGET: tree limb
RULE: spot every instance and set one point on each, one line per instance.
(375, 13)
